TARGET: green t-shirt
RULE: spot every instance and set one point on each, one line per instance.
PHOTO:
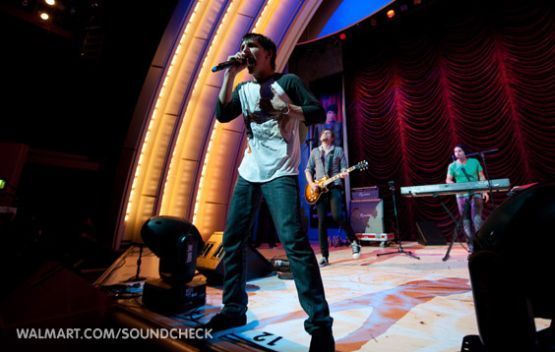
(468, 172)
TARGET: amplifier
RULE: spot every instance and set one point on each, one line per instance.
(375, 237)
(367, 215)
(371, 192)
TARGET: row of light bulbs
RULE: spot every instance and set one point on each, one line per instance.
(45, 16)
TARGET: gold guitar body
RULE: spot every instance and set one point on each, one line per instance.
(311, 195)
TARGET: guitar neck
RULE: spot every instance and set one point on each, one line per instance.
(336, 177)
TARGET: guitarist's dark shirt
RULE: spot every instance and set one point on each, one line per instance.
(320, 165)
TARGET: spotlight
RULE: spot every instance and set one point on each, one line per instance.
(50, 2)
(343, 36)
(177, 243)
(510, 270)
(2, 183)
(44, 16)
(390, 13)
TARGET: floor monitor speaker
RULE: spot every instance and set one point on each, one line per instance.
(210, 261)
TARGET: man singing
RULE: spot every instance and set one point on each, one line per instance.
(275, 108)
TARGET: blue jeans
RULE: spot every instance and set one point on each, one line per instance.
(282, 197)
(473, 219)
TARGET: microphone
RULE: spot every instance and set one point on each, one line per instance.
(490, 151)
(231, 62)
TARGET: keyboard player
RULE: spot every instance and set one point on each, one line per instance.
(465, 169)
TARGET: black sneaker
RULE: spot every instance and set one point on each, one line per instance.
(322, 341)
(324, 262)
(222, 321)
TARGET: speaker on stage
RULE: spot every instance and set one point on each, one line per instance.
(510, 272)
(367, 215)
(429, 234)
(210, 263)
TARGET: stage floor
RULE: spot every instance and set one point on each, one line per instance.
(379, 303)
(387, 303)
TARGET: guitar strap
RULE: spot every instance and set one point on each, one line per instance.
(327, 161)
(330, 161)
(323, 160)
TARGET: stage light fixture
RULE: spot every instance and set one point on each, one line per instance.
(2, 183)
(44, 16)
(510, 272)
(50, 2)
(390, 13)
(177, 243)
(343, 36)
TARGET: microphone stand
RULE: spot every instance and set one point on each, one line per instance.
(138, 276)
(397, 234)
(482, 155)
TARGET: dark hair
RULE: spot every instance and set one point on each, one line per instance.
(328, 129)
(265, 43)
(464, 147)
(332, 107)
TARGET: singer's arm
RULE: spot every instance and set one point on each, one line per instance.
(303, 101)
(229, 104)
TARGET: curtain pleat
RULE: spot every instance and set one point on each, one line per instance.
(478, 75)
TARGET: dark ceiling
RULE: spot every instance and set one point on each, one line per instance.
(69, 88)
(72, 82)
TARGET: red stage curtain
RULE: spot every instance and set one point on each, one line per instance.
(478, 73)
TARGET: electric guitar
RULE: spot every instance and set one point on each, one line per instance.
(312, 196)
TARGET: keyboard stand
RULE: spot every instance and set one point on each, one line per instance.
(458, 223)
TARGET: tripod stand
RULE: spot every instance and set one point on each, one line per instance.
(397, 235)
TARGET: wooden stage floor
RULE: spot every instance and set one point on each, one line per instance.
(379, 303)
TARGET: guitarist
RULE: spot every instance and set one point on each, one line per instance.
(325, 161)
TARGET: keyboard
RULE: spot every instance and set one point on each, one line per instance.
(498, 185)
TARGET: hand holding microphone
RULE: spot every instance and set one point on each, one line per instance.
(238, 61)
